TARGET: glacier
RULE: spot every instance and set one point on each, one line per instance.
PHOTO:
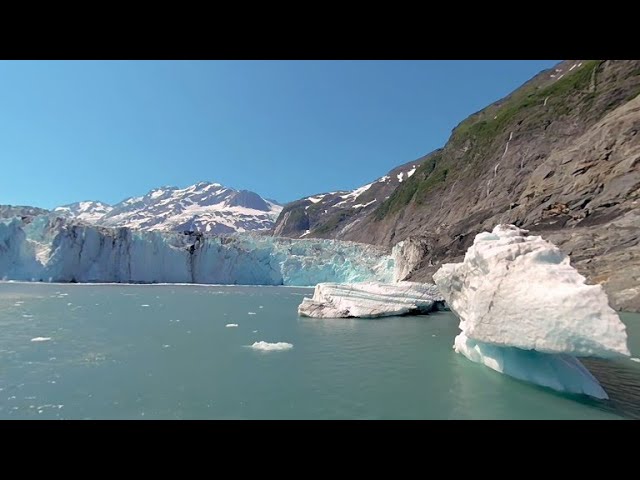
(370, 300)
(526, 312)
(53, 249)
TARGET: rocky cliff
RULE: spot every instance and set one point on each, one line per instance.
(560, 156)
(334, 214)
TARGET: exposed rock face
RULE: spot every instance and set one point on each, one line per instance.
(333, 214)
(10, 211)
(248, 199)
(560, 157)
(370, 300)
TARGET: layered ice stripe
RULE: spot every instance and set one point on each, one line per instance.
(370, 300)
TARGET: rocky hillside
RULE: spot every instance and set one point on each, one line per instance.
(560, 156)
(9, 211)
(334, 214)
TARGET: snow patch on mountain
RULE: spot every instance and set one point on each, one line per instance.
(89, 211)
(203, 207)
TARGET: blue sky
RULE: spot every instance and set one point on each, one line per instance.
(107, 130)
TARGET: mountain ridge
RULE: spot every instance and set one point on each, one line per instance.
(205, 207)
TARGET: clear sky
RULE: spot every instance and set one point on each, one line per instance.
(107, 130)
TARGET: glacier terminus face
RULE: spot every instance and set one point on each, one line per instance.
(53, 249)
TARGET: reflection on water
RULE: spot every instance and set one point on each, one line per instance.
(621, 381)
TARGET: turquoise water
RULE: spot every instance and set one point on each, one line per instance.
(111, 357)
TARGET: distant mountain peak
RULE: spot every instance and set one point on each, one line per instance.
(87, 211)
(204, 206)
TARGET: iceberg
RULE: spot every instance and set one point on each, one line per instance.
(53, 249)
(271, 347)
(370, 300)
(526, 312)
(560, 372)
(407, 256)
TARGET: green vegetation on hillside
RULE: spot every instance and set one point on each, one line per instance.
(479, 132)
(484, 131)
(405, 192)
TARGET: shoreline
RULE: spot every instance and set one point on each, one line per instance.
(27, 282)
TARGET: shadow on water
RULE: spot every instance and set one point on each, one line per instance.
(621, 380)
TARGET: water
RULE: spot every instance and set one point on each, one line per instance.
(111, 357)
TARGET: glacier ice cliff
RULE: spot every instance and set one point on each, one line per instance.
(369, 300)
(526, 312)
(52, 249)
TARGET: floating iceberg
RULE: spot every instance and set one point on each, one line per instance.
(51, 249)
(517, 298)
(558, 371)
(271, 347)
(369, 300)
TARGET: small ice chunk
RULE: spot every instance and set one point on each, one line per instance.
(260, 306)
(231, 325)
(634, 359)
(251, 313)
(166, 346)
(255, 331)
(144, 305)
(41, 339)
(271, 347)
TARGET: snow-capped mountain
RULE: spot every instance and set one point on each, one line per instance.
(328, 215)
(204, 207)
(90, 212)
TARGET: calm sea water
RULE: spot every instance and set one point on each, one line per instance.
(164, 352)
